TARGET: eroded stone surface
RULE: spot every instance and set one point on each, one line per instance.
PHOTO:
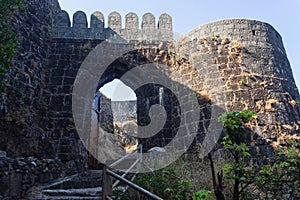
(36, 113)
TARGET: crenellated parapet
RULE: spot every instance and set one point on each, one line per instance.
(149, 30)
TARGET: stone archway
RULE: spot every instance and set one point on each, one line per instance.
(174, 71)
(114, 108)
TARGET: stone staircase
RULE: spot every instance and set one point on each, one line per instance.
(84, 186)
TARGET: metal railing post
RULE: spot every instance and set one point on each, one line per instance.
(106, 183)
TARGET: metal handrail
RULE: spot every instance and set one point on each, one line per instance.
(123, 158)
(107, 183)
(127, 171)
(134, 186)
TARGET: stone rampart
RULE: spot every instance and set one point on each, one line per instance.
(149, 30)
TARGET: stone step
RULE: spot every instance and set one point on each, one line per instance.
(82, 186)
(82, 192)
(72, 198)
(74, 184)
(90, 179)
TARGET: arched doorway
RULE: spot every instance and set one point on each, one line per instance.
(115, 112)
(158, 84)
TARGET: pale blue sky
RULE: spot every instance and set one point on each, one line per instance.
(283, 15)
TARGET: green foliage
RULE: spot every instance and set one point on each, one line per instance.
(235, 130)
(238, 171)
(180, 190)
(281, 179)
(203, 195)
(120, 194)
(8, 41)
(165, 184)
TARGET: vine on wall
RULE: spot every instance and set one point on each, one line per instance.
(8, 38)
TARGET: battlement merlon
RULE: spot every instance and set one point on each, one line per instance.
(149, 30)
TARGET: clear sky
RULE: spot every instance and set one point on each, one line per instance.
(283, 15)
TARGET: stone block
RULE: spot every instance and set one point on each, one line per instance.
(45, 177)
(80, 20)
(62, 19)
(15, 185)
(148, 22)
(115, 22)
(2, 154)
(131, 22)
(97, 21)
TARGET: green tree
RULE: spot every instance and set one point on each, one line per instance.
(281, 178)
(238, 171)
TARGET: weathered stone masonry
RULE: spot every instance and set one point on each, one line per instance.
(252, 61)
(23, 138)
(80, 30)
(246, 55)
(249, 56)
(23, 105)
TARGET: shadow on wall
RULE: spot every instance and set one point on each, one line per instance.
(178, 116)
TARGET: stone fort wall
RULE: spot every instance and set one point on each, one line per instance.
(23, 106)
(248, 56)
